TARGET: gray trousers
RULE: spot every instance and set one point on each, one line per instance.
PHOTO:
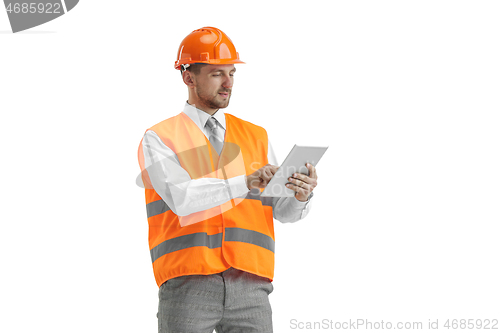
(229, 302)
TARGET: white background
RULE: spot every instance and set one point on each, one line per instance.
(404, 224)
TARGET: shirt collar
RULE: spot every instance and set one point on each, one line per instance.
(200, 117)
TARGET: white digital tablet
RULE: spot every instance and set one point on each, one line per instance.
(294, 162)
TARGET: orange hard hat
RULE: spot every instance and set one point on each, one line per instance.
(207, 45)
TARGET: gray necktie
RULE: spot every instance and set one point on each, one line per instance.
(216, 142)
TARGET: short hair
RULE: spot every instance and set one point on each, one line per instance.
(195, 68)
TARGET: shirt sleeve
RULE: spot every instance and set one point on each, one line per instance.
(181, 193)
(287, 209)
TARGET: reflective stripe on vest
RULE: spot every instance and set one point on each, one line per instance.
(212, 241)
(159, 206)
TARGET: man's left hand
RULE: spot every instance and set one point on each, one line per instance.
(303, 185)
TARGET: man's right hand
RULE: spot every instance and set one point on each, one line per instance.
(261, 177)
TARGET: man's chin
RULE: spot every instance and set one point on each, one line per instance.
(217, 104)
(223, 104)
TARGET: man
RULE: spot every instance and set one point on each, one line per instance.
(211, 235)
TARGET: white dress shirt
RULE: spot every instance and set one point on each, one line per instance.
(186, 196)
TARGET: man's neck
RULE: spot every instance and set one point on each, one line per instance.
(199, 107)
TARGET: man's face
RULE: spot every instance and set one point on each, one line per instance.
(213, 85)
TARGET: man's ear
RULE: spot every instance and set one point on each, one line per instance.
(188, 78)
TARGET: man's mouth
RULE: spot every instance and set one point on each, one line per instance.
(224, 94)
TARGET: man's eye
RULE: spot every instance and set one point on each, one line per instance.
(216, 74)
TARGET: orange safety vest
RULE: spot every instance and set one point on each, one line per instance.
(238, 233)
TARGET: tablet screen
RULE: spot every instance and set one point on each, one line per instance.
(294, 162)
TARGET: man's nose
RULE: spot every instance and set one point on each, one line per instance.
(228, 81)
